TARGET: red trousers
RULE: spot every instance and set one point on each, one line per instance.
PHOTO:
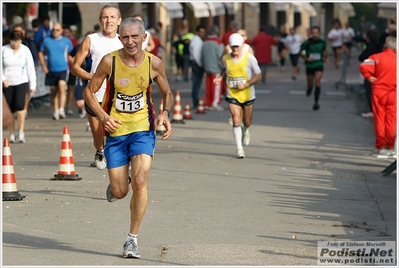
(213, 93)
(384, 109)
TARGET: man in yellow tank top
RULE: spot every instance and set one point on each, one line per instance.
(241, 71)
(127, 114)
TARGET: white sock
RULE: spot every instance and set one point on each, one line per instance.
(61, 111)
(132, 237)
(237, 133)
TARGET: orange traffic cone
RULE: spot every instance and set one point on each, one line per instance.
(187, 112)
(177, 110)
(160, 130)
(201, 108)
(66, 167)
(10, 192)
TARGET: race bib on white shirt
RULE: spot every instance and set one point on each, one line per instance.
(129, 104)
(315, 56)
(232, 81)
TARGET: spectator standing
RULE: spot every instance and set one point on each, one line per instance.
(380, 70)
(347, 39)
(177, 50)
(71, 78)
(242, 72)
(42, 32)
(57, 48)
(32, 47)
(234, 26)
(293, 43)
(157, 42)
(212, 50)
(35, 26)
(314, 52)
(335, 35)
(128, 125)
(184, 46)
(28, 42)
(282, 50)
(372, 47)
(93, 49)
(390, 31)
(263, 50)
(97, 28)
(18, 77)
(197, 70)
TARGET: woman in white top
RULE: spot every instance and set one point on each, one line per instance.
(18, 76)
(348, 35)
(293, 43)
(336, 35)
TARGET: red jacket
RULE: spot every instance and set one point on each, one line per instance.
(225, 37)
(263, 47)
(383, 67)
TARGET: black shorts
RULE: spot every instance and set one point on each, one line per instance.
(79, 87)
(179, 61)
(90, 111)
(15, 96)
(281, 46)
(71, 79)
(312, 71)
(335, 48)
(294, 59)
(52, 78)
(348, 45)
(236, 102)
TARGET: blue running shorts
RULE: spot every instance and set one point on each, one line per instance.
(118, 150)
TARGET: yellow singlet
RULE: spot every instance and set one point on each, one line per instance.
(128, 96)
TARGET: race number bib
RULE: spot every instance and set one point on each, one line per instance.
(129, 104)
(315, 56)
(232, 81)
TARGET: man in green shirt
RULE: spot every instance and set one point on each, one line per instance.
(313, 51)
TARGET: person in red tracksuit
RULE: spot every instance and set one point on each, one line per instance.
(262, 44)
(380, 70)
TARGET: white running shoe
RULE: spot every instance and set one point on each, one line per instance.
(56, 115)
(130, 249)
(21, 137)
(88, 128)
(389, 153)
(62, 114)
(99, 159)
(240, 153)
(12, 138)
(82, 113)
(246, 138)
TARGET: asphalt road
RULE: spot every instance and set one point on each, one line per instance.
(308, 176)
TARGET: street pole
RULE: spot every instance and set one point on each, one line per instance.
(60, 7)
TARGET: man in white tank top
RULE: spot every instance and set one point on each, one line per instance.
(148, 44)
(93, 48)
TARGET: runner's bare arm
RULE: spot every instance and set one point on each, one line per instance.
(95, 84)
(158, 72)
(83, 52)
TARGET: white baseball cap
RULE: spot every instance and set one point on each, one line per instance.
(235, 40)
